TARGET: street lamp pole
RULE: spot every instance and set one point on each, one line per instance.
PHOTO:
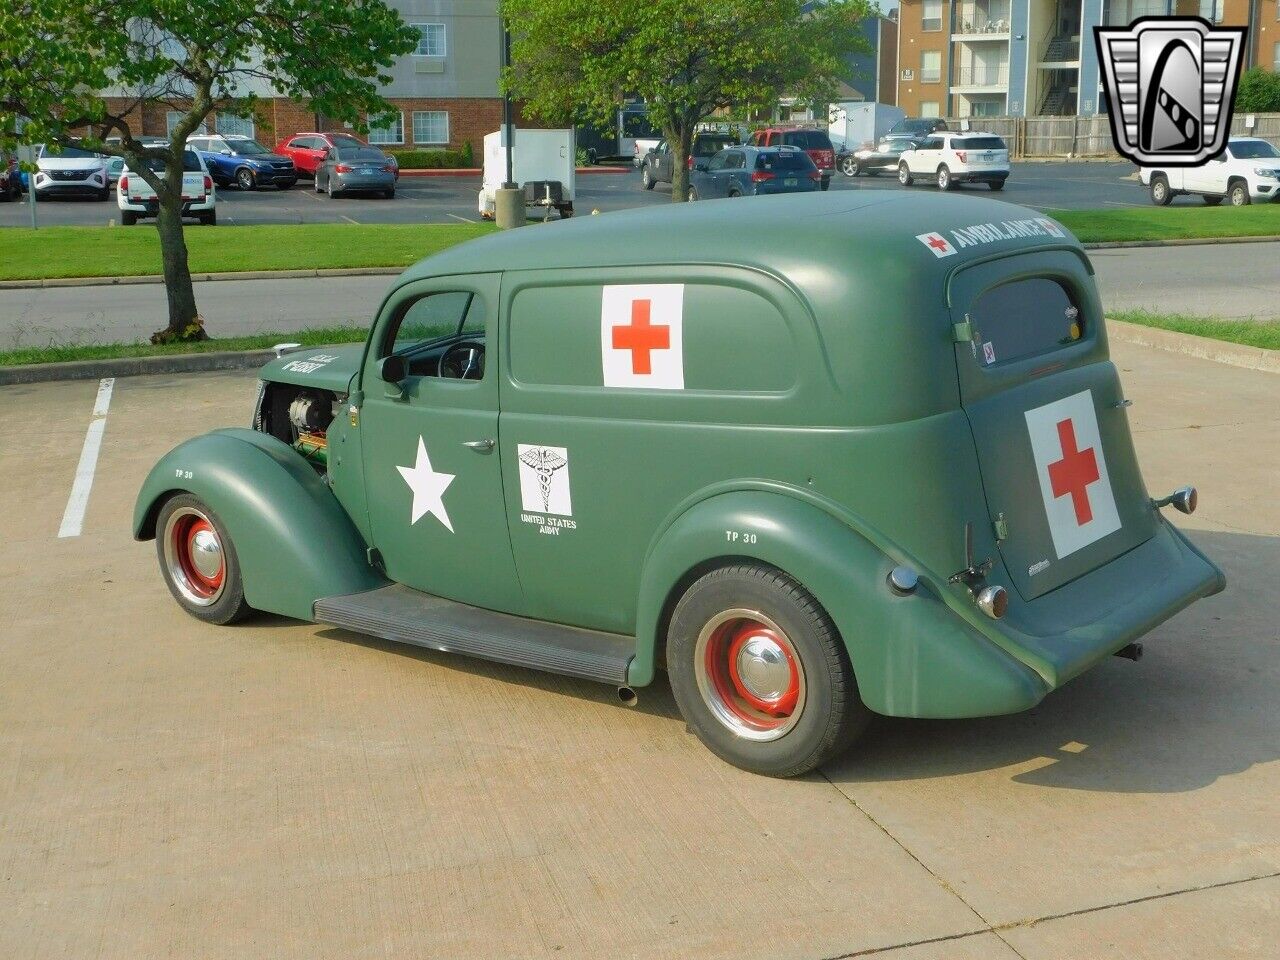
(508, 201)
(508, 131)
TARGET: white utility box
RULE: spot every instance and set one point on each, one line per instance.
(543, 165)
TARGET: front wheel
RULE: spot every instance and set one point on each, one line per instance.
(244, 178)
(904, 175)
(1161, 195)
(849, 167)
(198, 561)
(760, 674)
(1240, 195)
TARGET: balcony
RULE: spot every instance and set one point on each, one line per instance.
(975, 22)
(980, 78)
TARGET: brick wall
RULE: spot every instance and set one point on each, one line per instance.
(913, 39)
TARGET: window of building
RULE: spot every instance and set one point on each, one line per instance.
(391, 134)
(430, 40)
(930, 66)
(173, 117)
(430, 126)
(1211, 10)
(932, 13)
(929, 108)
(230, 126)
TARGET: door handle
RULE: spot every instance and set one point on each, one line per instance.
(1121, 404)
(482, 446)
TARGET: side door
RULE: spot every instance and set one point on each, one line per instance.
(432, 471)
(662, 162)
(323, 168)
(715, 177)
(925, 157)
(735, 173)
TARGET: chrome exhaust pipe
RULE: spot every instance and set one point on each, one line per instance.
(627, 697)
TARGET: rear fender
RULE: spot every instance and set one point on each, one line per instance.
(294, 542)
(912, 655)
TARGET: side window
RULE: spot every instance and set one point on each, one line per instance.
(425, 328)
(1023, 318)
(717, 162)
(736, 160)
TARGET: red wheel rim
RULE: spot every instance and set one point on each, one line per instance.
(749, 675)
(189, 530)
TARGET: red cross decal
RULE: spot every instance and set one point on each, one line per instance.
(641, 338)
(1074, 472)
(937, 242)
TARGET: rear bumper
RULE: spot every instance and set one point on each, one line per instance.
(980, 176)
(149, 208)
(385, 181)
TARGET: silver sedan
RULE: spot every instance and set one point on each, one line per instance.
(363, 169)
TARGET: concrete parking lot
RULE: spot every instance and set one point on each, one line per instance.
(1050, 186)
(278, 789)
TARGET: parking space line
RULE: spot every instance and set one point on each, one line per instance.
(463, 219)
(78, 502)
(348, 219)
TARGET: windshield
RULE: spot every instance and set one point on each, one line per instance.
(1023, 318)
(1254, 150)
(247, 148)
(75, 153)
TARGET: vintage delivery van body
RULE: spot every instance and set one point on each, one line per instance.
(816, 456)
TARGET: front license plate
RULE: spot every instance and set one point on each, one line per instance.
(790, 181)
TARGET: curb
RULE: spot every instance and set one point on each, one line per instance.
(1233, 354)
(477, 172)
(1177, 242)
(136, 366)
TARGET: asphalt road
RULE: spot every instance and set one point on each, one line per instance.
(1234, 280)
(286, 790)
(1049, 186)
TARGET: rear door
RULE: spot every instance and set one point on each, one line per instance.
(1045, 405)
(981, 154)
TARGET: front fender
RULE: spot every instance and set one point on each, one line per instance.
(294, 542)
(912, 655)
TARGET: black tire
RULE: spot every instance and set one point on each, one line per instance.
(734, 193)
(209, 218)
(287, 186)
(646, 178)
(826, 183)
(945, 182)
(692, 196)
(1238, 191)
(1211, 201)
(328, 186)
(104, 194)
(904, 175)
(1161, 195)
(995, 184)
(389, 194)
(849, 166)
(228, 604)
(128, 218)
(828, 715)
(592, 157)
(245, 179)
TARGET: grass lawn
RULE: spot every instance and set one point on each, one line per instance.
(49, 252)
(1249, 333)
(1171, 223)
(321, 337)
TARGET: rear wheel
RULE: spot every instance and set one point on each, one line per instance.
(693, 195)
(390, 194)
(849, 166)
(646, 178)
(904, 175)
(198, 561)
(1161, 195)
(1239, 194)
(826, 183)
(128, 218)
(760, 674)
(944, 178)
(209, 218)
(996, 184)
(735, 193)
(332, 192)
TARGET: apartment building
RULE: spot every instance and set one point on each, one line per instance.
(445, 93)
(974, 58)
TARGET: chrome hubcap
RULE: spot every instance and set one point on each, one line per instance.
(762, 667)
(193, 557)
(206, 553)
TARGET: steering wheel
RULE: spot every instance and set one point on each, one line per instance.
(463, 361)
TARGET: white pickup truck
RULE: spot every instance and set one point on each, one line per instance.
(135, 198)
(1247, 171)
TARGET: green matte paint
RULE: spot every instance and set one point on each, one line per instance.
(830, 426)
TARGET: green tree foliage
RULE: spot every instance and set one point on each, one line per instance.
(57, 58)
(1258, 92)
(686, 58)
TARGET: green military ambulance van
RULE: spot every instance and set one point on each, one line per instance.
(816, 457)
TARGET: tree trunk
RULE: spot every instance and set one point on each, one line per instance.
(681, 146)
(185, 322)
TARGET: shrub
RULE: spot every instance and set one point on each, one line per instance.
(1258, 92)
(433, 159)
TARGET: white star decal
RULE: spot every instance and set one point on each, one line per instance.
(428, 488)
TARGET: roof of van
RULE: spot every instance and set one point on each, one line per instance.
(896, 234)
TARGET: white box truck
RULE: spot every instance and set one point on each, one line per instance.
(851, 123)
(543, 165)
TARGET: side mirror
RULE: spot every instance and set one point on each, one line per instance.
(393, 369)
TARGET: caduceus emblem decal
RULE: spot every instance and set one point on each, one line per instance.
(544, 463)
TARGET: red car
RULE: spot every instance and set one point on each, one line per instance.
(307, 150)
(813, 142)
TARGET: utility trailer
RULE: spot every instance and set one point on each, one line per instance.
(543, 165)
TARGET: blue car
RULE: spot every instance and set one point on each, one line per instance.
(243, 162)
(753, 171)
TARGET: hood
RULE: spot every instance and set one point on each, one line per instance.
(267, 158)
(325, 368)
(70, 163)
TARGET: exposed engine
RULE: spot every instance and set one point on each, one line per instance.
(299, 417)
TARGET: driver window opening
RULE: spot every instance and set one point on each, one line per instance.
(440, 335)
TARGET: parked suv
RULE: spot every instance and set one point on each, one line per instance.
(954, 158)
(244, 162)
(753, 171)
(308, 150)
(1248, 170)
(70, 171)
(657, 162)
(815, 143)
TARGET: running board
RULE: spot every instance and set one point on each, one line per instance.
(405, 615)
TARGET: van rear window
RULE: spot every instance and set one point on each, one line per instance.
(1024, 318)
